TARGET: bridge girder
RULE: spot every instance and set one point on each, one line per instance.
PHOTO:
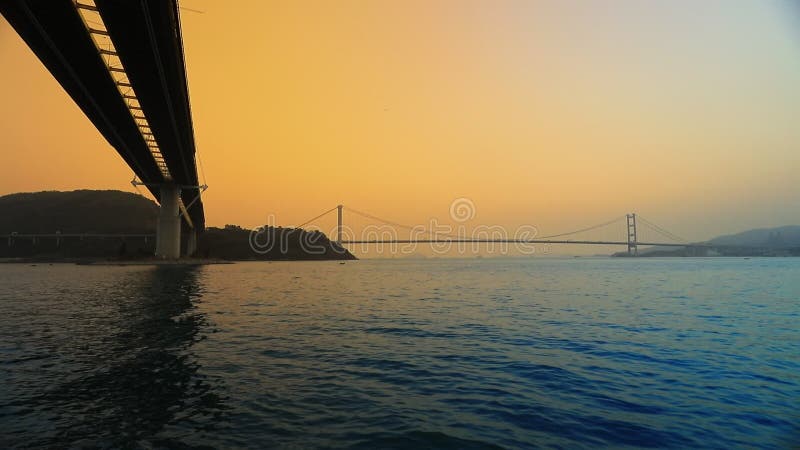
(55, 32)
(147, 37)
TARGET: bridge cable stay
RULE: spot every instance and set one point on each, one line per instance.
(317, 217)
(662, 231)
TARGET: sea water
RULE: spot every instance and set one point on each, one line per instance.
(424, 353)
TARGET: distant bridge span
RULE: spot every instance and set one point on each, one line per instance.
(511, 241)
(632, 242)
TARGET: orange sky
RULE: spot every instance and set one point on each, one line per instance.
(558, 114)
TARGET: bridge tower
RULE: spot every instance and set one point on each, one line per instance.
(633, 250)
(339, 225)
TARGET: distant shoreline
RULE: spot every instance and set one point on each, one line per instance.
(722, 252)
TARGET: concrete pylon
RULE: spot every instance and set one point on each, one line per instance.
(191, 243)
(168, 233)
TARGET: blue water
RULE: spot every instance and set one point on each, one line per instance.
(479, 353)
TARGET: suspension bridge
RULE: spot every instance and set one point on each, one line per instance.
(422, 235)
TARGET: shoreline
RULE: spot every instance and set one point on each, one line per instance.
(144, 262)
(112, 262)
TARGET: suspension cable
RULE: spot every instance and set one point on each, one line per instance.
(582, 229)
(663, 233)
(661, 230)
(435, 234)
(389, 222)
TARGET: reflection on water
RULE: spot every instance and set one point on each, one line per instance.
(402, 354)
(106, 361)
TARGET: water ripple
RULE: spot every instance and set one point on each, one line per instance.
(403, 354)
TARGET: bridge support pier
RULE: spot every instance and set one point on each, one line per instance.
(168, 232)
(191, 243)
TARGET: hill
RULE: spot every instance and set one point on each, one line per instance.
(780, 237)
(269, 243)
(778, 241)
(83, 211)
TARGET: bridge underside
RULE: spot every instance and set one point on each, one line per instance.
(147, 38)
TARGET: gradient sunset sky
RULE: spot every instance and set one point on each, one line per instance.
(558, 114)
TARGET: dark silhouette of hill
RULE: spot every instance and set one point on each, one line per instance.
(269, 243)
(83, 211)
(116, 212)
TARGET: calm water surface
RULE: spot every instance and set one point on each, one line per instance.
(488, 353)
